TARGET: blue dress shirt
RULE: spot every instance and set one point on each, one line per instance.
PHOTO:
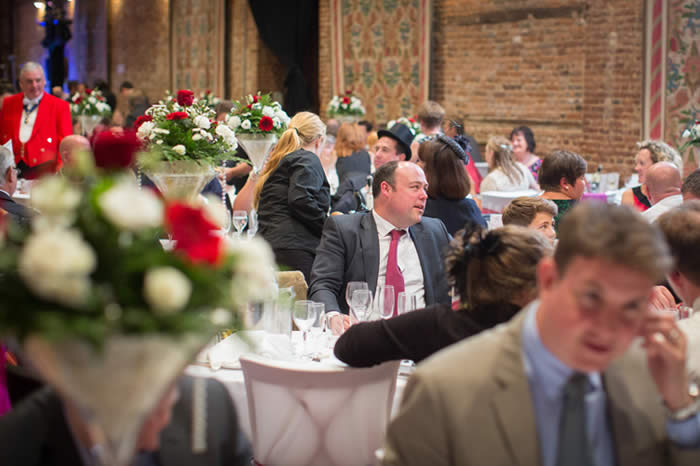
(547, 376)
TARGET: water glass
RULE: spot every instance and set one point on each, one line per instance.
(361, 304)
(304, 316)
(240, 220)
(384, 301)
(350, 289)
(406, 302)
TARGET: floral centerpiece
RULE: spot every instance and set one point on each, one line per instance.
(107, 315)
(209, 99)
(692, 134)
(185, 142)
(89, 107)
(410, 122)
(259, 122)
(346, 107)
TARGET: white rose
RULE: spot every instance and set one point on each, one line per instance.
(196, 137)
(276, 122)
(228, 136)
(220, 317)
(161, 131)
(202, 122)
(53, 196)
(131, 208)
(268, 111)
(245, 124)
(92, 100)
(256, 106)
(166, 289)
(254, 271)
(179, 149)
(56, 264)
(234, 122)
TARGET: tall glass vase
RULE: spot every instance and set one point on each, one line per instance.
(116, 387)
(88, 123)
(180, 179)
(257, 146)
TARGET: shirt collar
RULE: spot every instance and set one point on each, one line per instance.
(543, 365)
(27, 101)
(384, 227)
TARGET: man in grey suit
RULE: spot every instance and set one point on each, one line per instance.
(359, 247)
(562, 383)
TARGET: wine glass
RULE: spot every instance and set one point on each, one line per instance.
(384, 301)
(226, 222)
(361, 304)
(304, 316)
(350, 289)
(252, 223)
(318, 329)
(406, 302)
(240, 220)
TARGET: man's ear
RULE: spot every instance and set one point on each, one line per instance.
(547, 274)
(402, 157)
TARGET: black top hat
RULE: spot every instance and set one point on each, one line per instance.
(401, 134)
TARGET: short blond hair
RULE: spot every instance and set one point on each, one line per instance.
(431, 114)
(661, 152)
(522, 210)
(614, 233)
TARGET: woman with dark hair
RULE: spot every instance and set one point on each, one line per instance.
(442, 159)
(523, 142)
(561, 179)
(494, 273)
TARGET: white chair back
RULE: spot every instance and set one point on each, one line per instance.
(302, 415)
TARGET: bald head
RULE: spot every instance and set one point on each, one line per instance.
(663, 179)
(72, 144)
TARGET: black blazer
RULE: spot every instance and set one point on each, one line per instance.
(454, 214)
(346, 199)
(18, 212)
(349, 251)
(358, 163)
(294, 203)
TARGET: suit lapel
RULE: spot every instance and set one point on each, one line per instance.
(513, 405)
(418, 236)
(369, 244)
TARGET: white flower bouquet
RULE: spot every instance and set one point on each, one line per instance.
(91, 103)
(692, 134)
(346, 105)
(410, 122)
(258, 114)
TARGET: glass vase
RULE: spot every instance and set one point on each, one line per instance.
(257, 146)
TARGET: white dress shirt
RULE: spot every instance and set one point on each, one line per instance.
(661, 207)
(406, 257)
(27, 124)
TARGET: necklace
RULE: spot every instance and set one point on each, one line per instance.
(28, 111)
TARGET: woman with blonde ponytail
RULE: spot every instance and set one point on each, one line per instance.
(292, 194)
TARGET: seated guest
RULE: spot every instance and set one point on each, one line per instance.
(552, 387)
(70, 145)
(505, 174)
(352, 158)
(691, 186)
(663, 182)
(443, 159)
(494, 274)
(391, 245)
(43, 430)
(430, 116)
(562, 180)
(393, 145)
(532, 212)
(365, 128)
(8, 184)
(523, 142)
(649, 152)
(454, 127)
(681, 227)
(292, 194)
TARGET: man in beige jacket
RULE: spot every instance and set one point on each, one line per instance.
(557, 385)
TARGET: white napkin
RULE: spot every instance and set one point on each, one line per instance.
(228, 351)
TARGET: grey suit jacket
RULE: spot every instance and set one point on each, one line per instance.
(349, 251)
(471, 405)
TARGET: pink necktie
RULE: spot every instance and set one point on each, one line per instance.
(394, 277)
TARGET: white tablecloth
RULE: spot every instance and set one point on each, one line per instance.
(233, 380)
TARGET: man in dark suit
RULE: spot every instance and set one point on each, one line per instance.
(8, 185)
(38, 431)
(373, 247)
(35, 122)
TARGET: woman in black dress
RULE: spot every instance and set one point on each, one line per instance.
(352, 159)
(494, 273)
(292, 194)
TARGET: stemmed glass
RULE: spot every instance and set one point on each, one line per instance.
(240, 220)
(350, 289)
(384, 301)
(252, 223)
(304, 316)
(406, 302)
(361, 304)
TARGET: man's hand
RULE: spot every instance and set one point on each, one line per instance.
(661, 299)
(340, 323)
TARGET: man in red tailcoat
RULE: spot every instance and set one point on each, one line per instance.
(35, 122)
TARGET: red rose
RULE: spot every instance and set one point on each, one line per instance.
(194, 235)
(88, 91)
(176, 116)
(249, 106)
(78, 100)
(101, 99)
(141, 120)
(255, 98)
(185, 97)
(115, 150)
(346, 100)
(348, 91)
(266, 123)
(411, 120)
